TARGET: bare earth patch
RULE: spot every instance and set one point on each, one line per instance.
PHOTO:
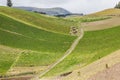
(18, 78)
(103, 24)
(112, 73)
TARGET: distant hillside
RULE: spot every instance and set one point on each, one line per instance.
(107, 12)
(57, 11)
(49, 11)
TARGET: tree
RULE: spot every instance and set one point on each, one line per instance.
(9, 3)
(118, 5)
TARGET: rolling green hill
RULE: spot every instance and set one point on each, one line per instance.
(93, 46)
(52, 24)
(38, 47)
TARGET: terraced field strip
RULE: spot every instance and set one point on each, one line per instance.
(72, 47)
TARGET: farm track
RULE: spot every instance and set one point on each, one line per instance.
(68, 52)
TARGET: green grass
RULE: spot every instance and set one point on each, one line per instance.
(41, 47)
(7, 57)
(87, 18)
(93, 46)
(52, 24)
(107, 12)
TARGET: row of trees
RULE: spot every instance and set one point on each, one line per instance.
(117, 6)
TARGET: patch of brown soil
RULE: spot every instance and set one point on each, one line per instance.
(112, 73)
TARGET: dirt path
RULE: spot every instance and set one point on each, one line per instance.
(72, 47)
(103, 24)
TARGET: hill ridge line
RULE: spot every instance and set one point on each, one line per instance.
(67, 53)
(29, 24)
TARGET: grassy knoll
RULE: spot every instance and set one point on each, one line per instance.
(48, 23)
(93, 46)
(43, 48)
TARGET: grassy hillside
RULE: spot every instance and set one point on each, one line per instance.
(43, 48)
(107, 12)
(93, 46)
(41, 21)
(7, 57)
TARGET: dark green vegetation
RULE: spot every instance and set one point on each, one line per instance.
(93, 46)
(9, 3)
(39, 47)
(48, 23)
(118, 5)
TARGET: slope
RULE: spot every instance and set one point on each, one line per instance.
(100, 20)
(93, 46)
(107, 12)
(52, 24)
(97, 70)
(7, 57)
(34, 42)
